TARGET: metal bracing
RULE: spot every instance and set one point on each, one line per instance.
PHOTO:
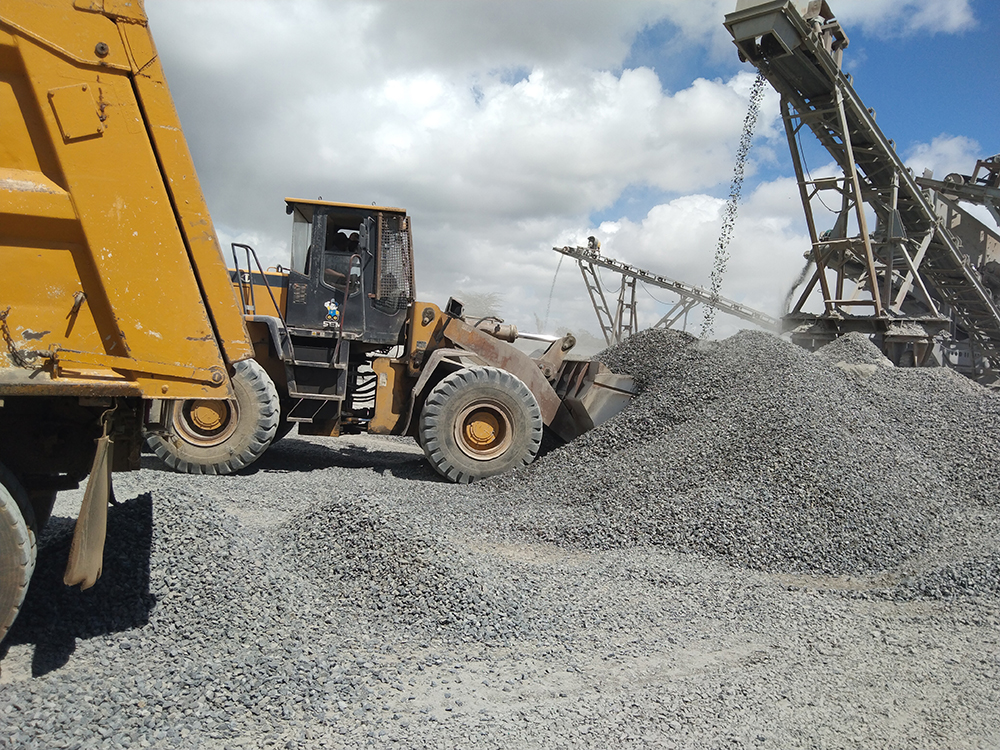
(626, 317)
(867, 268)
(624, 323)
(677, 313)
(909, 269)
(596, 292)
(984, 191)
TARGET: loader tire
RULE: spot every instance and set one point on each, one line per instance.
(17, 548)
(221, 437)
(284, 426)
(478, 422)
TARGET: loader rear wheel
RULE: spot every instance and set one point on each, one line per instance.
(17, 548)
(478, 422)
(220, 437)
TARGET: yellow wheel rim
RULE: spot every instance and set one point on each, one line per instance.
(484, 430)
(205, 423)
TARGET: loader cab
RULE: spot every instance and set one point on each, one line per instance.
(352, 271)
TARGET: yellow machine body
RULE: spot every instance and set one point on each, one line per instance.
(113, 274)
(114, 290)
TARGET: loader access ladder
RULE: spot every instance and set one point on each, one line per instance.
(909, 274)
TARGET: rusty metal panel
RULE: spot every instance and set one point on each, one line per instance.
(592, 394)
(501, 354)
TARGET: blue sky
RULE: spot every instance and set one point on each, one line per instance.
(931, 84)
(922, 86)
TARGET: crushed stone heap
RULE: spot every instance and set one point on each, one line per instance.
(773, 458)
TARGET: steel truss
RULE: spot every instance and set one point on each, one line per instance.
(984, 191)
(624, 321)
(907, 280)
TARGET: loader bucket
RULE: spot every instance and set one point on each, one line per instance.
(591, 394)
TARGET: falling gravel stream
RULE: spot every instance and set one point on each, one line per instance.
(768, 549)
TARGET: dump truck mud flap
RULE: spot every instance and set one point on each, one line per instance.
(86, 553)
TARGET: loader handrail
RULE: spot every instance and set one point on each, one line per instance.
(251, 252)
(347, 296)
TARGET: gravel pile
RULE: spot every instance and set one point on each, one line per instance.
(171, 634)
(853, 349)
(339, 595)
(360, 559)
(975, 576)
(765, 455)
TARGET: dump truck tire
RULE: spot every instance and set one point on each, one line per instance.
(478, 422)
(17, 548)
(220, 437)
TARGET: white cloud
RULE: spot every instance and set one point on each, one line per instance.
(677, 240)
(892, 18)
(947, 154)
(943, 155)
(501, 127)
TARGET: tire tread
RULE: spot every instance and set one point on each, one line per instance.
(18, 549)
(181, 457)
(433, 429)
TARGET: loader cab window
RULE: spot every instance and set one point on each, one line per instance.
(341, 262)
(301, 238)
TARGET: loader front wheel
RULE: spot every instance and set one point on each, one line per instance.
(478, 422)
(221, 437)
(17, 548)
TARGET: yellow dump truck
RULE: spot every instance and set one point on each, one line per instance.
(114, 290)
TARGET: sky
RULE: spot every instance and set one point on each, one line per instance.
(508, 128)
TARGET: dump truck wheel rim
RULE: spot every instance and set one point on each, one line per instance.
(206, 422)
(483, 430)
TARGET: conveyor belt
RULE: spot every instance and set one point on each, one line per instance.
(910, 254)
(688, 293)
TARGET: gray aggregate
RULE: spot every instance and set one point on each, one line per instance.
(760, 453)
(769, 548)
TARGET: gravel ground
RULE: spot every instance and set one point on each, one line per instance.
(768, 549)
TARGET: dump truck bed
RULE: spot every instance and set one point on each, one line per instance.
(114, 290)
(111, 263)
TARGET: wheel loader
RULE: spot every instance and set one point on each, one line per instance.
(114, 290)
(349, 349)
